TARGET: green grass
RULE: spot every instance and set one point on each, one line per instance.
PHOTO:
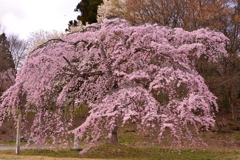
(154, 153)
(13, 143)
(44, 152)
(237, 138)
(8, 143)
(120, 151)
(130, 138)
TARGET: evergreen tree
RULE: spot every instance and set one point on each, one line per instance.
(6, 60)
(7, 72)
(88, 10)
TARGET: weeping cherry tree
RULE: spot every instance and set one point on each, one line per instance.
(143, 75)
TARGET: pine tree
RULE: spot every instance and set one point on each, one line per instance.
(7, 72)
(6, 60)
(88, 10)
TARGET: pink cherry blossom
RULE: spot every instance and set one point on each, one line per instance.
(143, 74)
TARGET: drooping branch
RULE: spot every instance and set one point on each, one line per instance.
(102, 70)
(85, 42)
(84, 75)
(46, 43)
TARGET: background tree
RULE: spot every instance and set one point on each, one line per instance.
(144, 74)
(78, 26)
(40, 37)
(190, 15)
(88, 12)
(7, 66)
(5, 54)
(223, 77)
(18, 49)
(110, 9)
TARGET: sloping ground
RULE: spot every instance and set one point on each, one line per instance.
(137, 153)
(225, 135)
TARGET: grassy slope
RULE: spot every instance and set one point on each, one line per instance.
(220, 146)
(136, 147)
(120, 151)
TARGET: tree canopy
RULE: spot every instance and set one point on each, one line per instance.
(143, 74)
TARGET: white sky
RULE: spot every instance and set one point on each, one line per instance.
(24, 16)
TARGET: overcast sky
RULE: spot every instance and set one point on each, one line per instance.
(25, 16)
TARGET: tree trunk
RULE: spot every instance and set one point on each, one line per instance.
(114, 137)
(18, 133)
(231, 103)
(233, 111)
(76, 140)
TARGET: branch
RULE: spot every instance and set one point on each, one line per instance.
(84, 75)
(80, 41)
(89, 74)
(74, 69)
(86, 29)
(44, 44)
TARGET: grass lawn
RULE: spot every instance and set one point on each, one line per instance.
(14, 157)
(120, 151)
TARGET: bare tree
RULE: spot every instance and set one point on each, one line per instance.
(18, 49)
(39, 37)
